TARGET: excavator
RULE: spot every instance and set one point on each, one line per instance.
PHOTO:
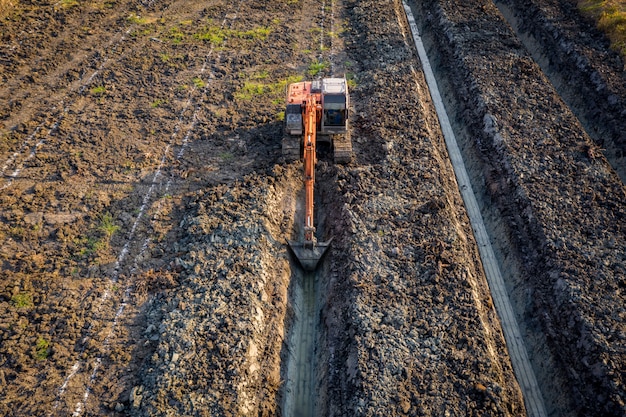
(316, 111)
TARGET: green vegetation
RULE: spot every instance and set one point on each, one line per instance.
(351, 80)
(610, 16)
(107, 226)
(133, 18)
(217, 35)
(22, 300)
(98, 90)
(197, 81)
(90, 245)
(227, 156)
(67, 4)
(316, 67)
(99, 241)
(253, 89)
(176, 35)
(156, 103)
(42, 349)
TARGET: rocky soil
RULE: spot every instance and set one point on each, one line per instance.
(145, 207)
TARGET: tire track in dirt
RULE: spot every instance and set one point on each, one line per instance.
(71, 96)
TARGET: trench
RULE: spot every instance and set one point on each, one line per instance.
(576, 100)
(299, 399)
(526, 345)
(301, 368)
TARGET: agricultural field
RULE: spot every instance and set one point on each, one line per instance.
(145, 206)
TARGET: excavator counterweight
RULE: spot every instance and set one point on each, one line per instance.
(316, 110)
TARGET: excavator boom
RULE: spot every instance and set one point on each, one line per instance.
(309, 252)
(318, 107)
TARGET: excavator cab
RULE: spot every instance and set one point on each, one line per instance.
(335, 102)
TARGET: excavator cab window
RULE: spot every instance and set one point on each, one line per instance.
(334, 110)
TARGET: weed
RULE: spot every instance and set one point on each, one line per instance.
(156, 103)
(22, 300)
(227, 156)
(260, 75)
(212, 34)
(17, 232)
(42, 349)
(89, 245)
(165, 57)
(68, 4)
(316, 67)
(249, 90)
(176, 35)
(610, 16)
(217, 36)
(197, 81)
(351, 80)
(98, 90)
(280, 116)
(107, 226)
(133, 18)
(252, 89)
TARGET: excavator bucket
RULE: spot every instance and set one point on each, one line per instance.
(309, 255)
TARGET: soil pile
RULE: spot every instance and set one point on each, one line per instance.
(144, 206)
(559, 201)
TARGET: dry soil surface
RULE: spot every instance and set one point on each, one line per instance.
(145, 205)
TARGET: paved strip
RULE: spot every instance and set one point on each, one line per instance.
(533, 399)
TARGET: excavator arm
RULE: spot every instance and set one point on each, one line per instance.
(309, 252)
(311, 112)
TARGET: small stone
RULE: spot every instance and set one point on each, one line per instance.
(405, 406)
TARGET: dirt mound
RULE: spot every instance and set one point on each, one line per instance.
(560, 202)
(144, 207)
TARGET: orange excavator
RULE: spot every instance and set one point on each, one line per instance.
(316, 111)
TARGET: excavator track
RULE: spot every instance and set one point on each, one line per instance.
(342, 148)
(291, 148)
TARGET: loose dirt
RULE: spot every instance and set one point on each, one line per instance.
(145, 207)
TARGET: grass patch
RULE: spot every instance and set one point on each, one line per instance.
(317, 67)
(68, 4)
(197, 81)
(351, 80)
(610, 17)
(99, 90)
(274, 91)
(22, 300)
(227, 156)
(42, 349)
(156, 103)
(217, 35)
(176, 35)
(107, 226)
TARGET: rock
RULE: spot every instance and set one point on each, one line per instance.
(136, 396)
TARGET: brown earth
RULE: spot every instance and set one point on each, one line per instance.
(145, 207)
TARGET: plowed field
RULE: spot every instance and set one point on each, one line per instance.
(145, 207)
